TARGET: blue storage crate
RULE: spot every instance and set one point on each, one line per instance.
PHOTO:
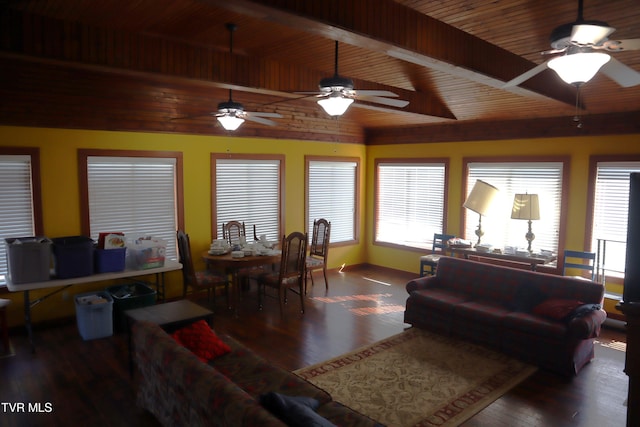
(109, 260)
(94, 314)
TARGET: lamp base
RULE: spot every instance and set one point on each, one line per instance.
(530, 237)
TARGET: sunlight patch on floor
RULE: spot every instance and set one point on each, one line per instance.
(614, 345)
(382, 309)
(377, 281)
(368, 297)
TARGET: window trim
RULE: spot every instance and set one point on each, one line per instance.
(564, 201)
(356, 219)
(445, 202)
(281, 184)
(84, 154)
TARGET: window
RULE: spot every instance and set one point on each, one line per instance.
(410, 201)
(20, 210)
(136, 193)
(247, 189)
(610, 213)
(542, 178)
(332, 193)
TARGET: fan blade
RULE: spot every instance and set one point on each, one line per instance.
(252, 118)
(619, 45)
(585, 34)
(312, 93)
(376, 93)
(384, 101)
(525, 76)
(618, 72)
(261, 114)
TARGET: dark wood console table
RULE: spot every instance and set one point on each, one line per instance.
(531, 260)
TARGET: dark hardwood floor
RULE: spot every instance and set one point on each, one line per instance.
(74, 382)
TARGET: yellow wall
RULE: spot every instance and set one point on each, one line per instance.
(61, 204)
(58, 148)
(578, 149)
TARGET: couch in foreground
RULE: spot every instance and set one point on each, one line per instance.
(543, 319)
(180, 389)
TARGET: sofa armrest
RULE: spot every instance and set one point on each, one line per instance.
(425, 282)
(587, 326)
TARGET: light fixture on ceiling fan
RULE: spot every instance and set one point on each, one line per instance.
(231, 114)
(337, 93)
(581, 41)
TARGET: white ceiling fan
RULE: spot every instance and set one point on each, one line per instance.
(231, 114)
(586, 49)
(337, 93)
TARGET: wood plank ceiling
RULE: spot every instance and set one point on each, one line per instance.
(164, 65)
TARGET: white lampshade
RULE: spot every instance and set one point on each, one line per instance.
(578, 68)
(335, 104)
(230, 122)
(525, 206)
(481, 196)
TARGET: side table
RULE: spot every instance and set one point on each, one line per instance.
(168, 316)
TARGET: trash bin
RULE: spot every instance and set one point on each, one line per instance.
(127, 297)
(28, 259)
(94, 314)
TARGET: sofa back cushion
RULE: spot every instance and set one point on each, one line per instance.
(501, 284)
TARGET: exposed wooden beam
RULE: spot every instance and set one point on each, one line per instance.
(400, 32)
(143, 53)
(552, 127)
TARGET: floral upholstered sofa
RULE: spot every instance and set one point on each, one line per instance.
(233, 389)
(543, 319)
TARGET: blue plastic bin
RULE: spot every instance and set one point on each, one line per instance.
(72, 256)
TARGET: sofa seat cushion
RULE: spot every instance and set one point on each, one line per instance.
(486, 312)
(295, 411)
(535, 325)
(439, 299)
(255, 375)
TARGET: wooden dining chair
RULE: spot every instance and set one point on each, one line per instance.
(234, 232)
(196, 281)
(318, 251)
(291, 273)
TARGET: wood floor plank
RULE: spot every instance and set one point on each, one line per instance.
(88, 383)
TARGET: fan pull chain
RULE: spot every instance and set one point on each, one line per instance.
(576, 117)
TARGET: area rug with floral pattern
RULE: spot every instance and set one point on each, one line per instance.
(418, 378)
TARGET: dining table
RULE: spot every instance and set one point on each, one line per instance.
(232, 266)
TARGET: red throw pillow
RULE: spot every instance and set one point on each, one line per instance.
(201, 340)
(557, 309)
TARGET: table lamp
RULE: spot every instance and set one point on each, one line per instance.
(479, 200)
(526, 206)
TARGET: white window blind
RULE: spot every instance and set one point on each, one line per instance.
(16, 209)
(134, 195)
(611, 212)
(541, 178)
(248, 190)
(410, 203)
(332, 195)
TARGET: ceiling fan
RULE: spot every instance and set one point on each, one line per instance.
(337, 93)
(231, 114)
(585, 45)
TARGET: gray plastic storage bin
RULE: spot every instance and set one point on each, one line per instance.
(28, 259)
(94, 313)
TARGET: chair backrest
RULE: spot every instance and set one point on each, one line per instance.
(184, 253)
(576, 259)
(440, 241)
(320, 238)
(292, 264)
(233, 231)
